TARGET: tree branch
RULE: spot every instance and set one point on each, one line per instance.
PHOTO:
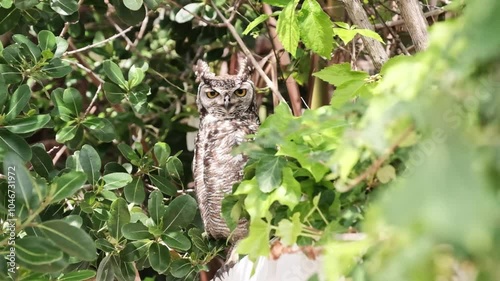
(98, 43)
(415, 22)
(358, 16)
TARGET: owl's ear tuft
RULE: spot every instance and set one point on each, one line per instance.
(245, 69)
(202, 71)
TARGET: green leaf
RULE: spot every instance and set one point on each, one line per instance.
(72, 240)
(338, 74)
(289, 231)
(260, 19)
(163, 184)
(257, 242)
(153, 4)
(72, 100)
(346, 92)
(32, 50)
(128, 152)
(133, 5)
(16, 144)
(156, 208)
(119, 216)
(66, 134)
(101, 128)
(177, 240)
(159, 257)
(18, 101)
(370, 34)
(64, 7)
(41, 161)
(277, 3)
(28, 124)
(179, 213)
(162, 152)
(9, 18)
(64, 111)
(126, 15)
(67, 184)
(10, 74)
(135, 250)
(113, 93)
(180, 268)
(136, 231)
(139, 100)
(46, 40)
(124, 271)
(80, 275)
(104, 245)
(269, 172)
(135, 76)
(316, 29)
(116, 180)
(105, 270)
(61, 47)
(114, 73)
(56, 68)
(186, 13)
(37, 251)
(90, 163)
(25, 4)
(288, 27)
(17, 174)
(134, 191)
(196, 237)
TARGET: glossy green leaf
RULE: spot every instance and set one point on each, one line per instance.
(18, 101)
(180, 268)
(66, 134)
(163, 184)
(124, 271)
(67, 184)
(116, 180)
(90, 163)
(196, 237)
(80, 275)
(10, 75)
(113, 93)
(119, 216)
(56, 68)
(32, 50)
(22, 182)
(136, 231)
(37, 251)
(72, 100)
(260, 19)
(128, 16)
(186, 13)
(134, 191)
(28, 124)
(105, 270)
(64, 7)
(101, 128)
(114, 73)
(162, 152)
(46, 40)
(72, 240)
(61, 47)
(104, 245)
(269, 173)
(133, 5)
(135, 250)
(177, 240)
(14, 143)
(316, 28)
(179, 213)
(9, 18)
(64, 110)
(159, 257)
(288, 28)
(156, 207)
(128, 152)
(41, 161)
(25, 4)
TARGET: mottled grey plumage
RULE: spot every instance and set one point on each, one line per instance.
(226, 117)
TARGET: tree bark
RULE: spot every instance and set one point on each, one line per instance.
(415, 22)
(358, 16)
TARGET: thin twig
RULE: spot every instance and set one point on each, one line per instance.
(401, 21)
(98, 43)
(378, 163)
(144, 24)
(249, 55)
(58, 155)
(93, 100)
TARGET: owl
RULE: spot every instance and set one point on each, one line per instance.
(228, 112)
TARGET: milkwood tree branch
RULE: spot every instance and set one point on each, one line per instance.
(358, 16)
(415, 22)
(98, 43)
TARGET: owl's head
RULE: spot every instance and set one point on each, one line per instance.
(226, 95)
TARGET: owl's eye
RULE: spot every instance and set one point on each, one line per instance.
(240, 92)
(211, 94)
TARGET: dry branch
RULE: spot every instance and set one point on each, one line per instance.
(415, 22)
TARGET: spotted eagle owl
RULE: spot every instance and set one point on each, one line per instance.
(228, 112)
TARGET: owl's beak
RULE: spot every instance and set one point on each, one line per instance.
(226, 101)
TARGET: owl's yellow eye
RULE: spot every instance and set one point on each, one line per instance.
(211, 94)
(240, 92)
